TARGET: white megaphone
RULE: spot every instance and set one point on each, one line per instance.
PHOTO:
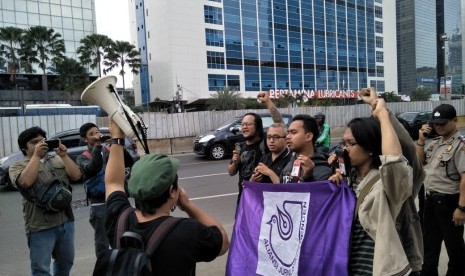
(102, 92)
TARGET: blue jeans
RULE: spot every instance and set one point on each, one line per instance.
(56, 242)
(97, 220)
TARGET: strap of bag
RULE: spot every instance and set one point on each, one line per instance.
(121, 224)
(364, 192)
(87, 154)
(160, 233)
(157, 236)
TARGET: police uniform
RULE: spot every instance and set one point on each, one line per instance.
(445, 164)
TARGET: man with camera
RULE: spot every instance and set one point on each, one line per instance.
(444, 207)
(49, 220)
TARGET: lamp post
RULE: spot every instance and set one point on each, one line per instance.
(444, 39)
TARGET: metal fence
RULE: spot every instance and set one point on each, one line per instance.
(162, 126)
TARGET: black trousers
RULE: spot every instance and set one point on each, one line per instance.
(437, 227)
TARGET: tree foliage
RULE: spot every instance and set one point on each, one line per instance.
(42, 46)
(72, 76)
(391, 97)
(10, 49)
(120, 54)
(422, 93)
(94, 49)
(225, 99)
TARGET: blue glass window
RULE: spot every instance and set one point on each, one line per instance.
(214, 37)
(379, 27)
(378, 12)
(216, 82)
(379, 56)
(379, 42)
(233, 81)
(380, 71)
(213, 15)
(215, 60)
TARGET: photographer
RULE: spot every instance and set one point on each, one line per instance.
(50, 233)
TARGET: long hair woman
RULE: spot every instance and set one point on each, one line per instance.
(382, 182)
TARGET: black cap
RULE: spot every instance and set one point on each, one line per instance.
(443, 113)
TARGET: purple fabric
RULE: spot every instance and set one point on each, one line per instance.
(309, 220)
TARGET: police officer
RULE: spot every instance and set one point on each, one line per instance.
(444, 213)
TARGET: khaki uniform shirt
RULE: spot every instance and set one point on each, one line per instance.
(445, 163)
(36, 218)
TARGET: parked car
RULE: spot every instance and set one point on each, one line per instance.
(413, 120)
(219, 143)
(72, 140)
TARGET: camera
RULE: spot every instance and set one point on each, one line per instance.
(52, 144)
(342, 161)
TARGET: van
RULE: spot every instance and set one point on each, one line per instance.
(219, 143)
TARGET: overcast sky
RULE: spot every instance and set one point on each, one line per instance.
(113, 20)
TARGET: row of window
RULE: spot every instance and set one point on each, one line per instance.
(55, 22)
(217, 82)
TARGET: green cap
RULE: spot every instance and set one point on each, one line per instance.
(152, 175)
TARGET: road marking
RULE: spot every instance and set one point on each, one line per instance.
(198, 176)
(196, 163)
(214, 196)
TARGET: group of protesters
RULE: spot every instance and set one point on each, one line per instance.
(387, 172)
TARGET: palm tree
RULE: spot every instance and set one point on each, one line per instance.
(120, 54)
(93, 50)
(44, 47)
(225, 99)
(72, 76)
(10, 39)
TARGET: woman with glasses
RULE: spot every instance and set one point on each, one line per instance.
(382, 182)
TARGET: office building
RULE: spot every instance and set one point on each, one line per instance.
(73, 19)
(190, 49)
(429, 45)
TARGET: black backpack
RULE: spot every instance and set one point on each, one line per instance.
(130, 257)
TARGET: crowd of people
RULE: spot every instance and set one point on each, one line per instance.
(386, 172)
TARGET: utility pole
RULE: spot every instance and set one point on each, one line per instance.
(444, 39)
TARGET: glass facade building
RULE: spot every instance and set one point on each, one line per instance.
(292, 44)
(422, 26)
(73, 19)
(262, 45)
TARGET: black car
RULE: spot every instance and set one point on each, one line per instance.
(72, 140)
(413, 120)
(219, 143)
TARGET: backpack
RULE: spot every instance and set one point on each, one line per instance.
(131, 257)
(95, 186)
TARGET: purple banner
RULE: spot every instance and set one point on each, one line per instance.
(292, 229)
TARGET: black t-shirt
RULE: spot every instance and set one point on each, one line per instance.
(277, 165)
(188, 242)
(250, 156)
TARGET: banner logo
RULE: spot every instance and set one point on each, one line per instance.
(283, 227)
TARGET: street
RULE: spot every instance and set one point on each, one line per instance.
(206, 182)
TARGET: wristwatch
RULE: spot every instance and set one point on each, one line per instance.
(119, 141)
(461, 208)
